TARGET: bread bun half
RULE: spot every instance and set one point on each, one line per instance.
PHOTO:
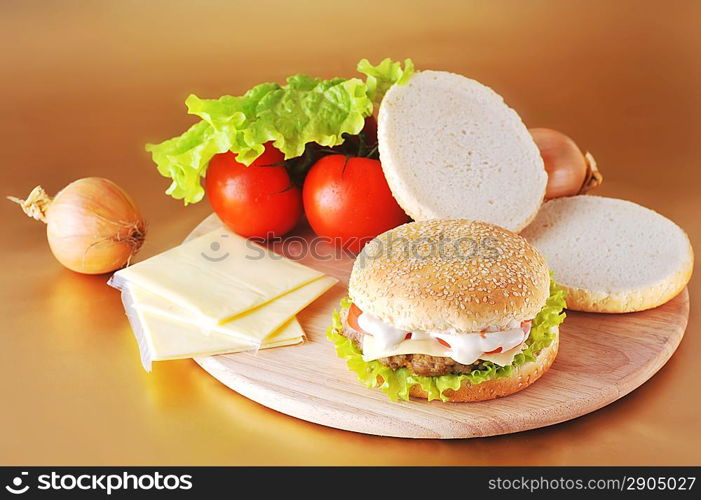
(451, 148)
(520, 378)
(451, 274)
(611, 255)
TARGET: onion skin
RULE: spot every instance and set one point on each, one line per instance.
(93, 226)
(564, 162)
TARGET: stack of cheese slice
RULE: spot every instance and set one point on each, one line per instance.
(218, 293)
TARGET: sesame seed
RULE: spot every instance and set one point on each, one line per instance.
(441, 274)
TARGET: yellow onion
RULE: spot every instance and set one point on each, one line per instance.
(570, 172)
(92, 225)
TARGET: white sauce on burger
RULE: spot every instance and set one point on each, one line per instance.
(465, 348)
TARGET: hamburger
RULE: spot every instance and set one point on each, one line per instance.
(455, 310)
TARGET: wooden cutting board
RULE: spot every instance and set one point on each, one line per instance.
(602, 358)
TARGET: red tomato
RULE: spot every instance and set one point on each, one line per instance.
(255, 201)
(443, 343)
(353, 314)
(348, 200)
(495, 351)
(526, 325)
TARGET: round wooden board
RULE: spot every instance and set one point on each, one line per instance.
(602, 358)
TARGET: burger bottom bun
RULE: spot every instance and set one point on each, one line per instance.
(521, 377)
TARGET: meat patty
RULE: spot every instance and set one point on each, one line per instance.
(418, 364)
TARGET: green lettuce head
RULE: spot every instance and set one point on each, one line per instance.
(305, 110)
(397, 383)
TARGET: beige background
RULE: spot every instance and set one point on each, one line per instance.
(85, 84)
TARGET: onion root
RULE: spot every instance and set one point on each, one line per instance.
(93, 226)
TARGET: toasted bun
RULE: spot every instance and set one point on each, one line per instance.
(450, 148)
(449, 274)
(612, 255)
(520, 378)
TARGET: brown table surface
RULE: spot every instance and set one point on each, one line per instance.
(85, 84)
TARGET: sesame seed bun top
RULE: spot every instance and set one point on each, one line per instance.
(450, 274)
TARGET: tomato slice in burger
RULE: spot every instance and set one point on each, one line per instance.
(526, 325)
(443, 343)
(353, 314)
(495, 351)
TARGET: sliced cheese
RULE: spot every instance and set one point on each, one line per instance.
(253, 326)
(504, 358)
(217, 276)
(373, 350)
(161, 338)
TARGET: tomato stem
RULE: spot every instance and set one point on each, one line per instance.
(353, 146)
